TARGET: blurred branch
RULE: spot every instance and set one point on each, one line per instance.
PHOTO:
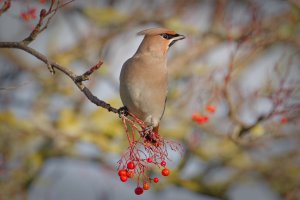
(295, 3)
(206, 43)
(6, 5)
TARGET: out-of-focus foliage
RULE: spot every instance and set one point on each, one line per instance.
(240, 56)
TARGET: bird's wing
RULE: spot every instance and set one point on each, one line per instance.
(162, 114)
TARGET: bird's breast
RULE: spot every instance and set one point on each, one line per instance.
(143, 88)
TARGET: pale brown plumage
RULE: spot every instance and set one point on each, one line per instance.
(143, 78)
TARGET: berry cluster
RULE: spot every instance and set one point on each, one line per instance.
(201, 119)
(147, 150)
(130, 172)
(29, 14)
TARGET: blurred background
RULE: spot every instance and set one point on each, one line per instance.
(239, 68)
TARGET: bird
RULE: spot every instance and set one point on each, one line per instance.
(144, 76)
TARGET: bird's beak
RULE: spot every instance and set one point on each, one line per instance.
(176, 38)
(179, 37)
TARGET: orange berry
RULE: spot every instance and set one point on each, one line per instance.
(130, 174)
(146, 186)
(211, 108)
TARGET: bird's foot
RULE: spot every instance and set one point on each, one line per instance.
(148, 130)
(123, 111)
(150, 136)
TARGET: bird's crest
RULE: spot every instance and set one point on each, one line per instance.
(156, 31)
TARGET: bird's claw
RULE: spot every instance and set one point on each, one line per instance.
(150, 136)
(148, 130)
(123, 111)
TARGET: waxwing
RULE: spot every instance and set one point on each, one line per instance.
(143, 78)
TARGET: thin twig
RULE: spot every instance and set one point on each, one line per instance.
(85, 76)
(40, 26)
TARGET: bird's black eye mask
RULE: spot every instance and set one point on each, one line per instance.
(169, 36)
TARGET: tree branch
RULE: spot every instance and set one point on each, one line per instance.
(40, 26)
(75, 78)
(87, 74)
(6, 5)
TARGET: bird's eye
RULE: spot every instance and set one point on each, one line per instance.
(166, 36)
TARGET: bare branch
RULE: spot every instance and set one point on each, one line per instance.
(87, 74)
(69, 73)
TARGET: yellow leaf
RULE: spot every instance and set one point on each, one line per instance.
(258, 130)
(176, 24)
(36, 160)
(105, 16)
(65, 59)
(69, 122)
(105, 122)
(241, 161)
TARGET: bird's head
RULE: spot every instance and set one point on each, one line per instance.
(159, 39)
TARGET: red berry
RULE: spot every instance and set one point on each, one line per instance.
(32, 13)
(155, 179)
(25, 16)
(199, 118)
(149, 160)
(139, 191)
(196, 117)
(163, 163)
(123, 178)
(130, 165)
(146, 186)
(283, 120)
(130, 174)
(165, 172)
(211, 108)
(205, 118)
(122, 172)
